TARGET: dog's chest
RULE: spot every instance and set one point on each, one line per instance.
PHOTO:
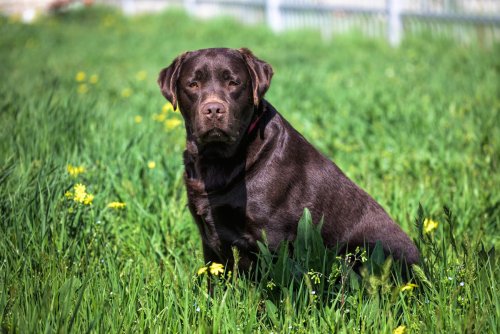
(221, 216)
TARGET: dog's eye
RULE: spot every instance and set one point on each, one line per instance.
(193, 84)
(233, 83)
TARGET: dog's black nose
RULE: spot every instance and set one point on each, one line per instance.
(213, 108)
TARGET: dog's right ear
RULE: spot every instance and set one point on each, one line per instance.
(167, 80)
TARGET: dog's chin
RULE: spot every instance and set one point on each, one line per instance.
(216, 136)
(217, 142)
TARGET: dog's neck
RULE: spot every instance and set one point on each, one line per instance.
(215, 173)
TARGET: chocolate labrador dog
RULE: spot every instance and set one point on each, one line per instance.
(249, 172)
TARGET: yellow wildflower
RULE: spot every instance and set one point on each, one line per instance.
(88, 199)
(16, 18)
(83, 88)
(80, 76)
(93, 79)
(202, 270)
(126, 92)
(108, 21)
(117, 205)
(216, 268)
(141, 75)
(159, 117)
(399, 330)
(409, 287)
(167, 107)
(172, 123)
(75, 170)
(80, 192)
(138, 119)
(430, 225)
(68, 194)
(151, 164)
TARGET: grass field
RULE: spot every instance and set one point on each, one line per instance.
(79, 106)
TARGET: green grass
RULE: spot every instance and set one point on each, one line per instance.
(413, 125)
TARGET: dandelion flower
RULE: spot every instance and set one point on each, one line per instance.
(151, 164)
(117, 205)
(108, 21)
(167, 107)
(409, 287)
(80, 192)
(88, 199)
(141, 75)
(172, 123)
(430, 225)
(399, 330)
(126, 92)
(159, 117)
(93, 79)
(138, 119)
(216, 268)
(83, 88)
(201, 271)
(75, 170)
(80, 76)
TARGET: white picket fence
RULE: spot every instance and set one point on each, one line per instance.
(465, 20)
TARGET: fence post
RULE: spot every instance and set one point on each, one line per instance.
(128, 7)
(395, 25)
(273, 15)
(190, 6)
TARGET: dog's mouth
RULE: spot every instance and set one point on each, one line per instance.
(216, 135)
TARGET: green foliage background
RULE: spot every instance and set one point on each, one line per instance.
(416, 124)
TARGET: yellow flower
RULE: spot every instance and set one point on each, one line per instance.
(68, 194)
(138, 119)
(80, 76)
(16, 18)
(216, 268)
(126, 92)
(172, 123)
(167, 107)
(141, 75)
(202, 270)
(399, 330)
(117, 205)
(88, 199)
(83, 88)
(430, 225)
(108, 21)
(80, 192)
(159, 117)
(93, 79)
(409, 287)
(75, 170)
(151, 164)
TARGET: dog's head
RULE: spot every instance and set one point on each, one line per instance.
(218, 92)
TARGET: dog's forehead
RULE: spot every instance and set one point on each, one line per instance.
(215, 59)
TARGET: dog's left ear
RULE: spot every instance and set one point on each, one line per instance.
(167, 80)
(260, 72)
